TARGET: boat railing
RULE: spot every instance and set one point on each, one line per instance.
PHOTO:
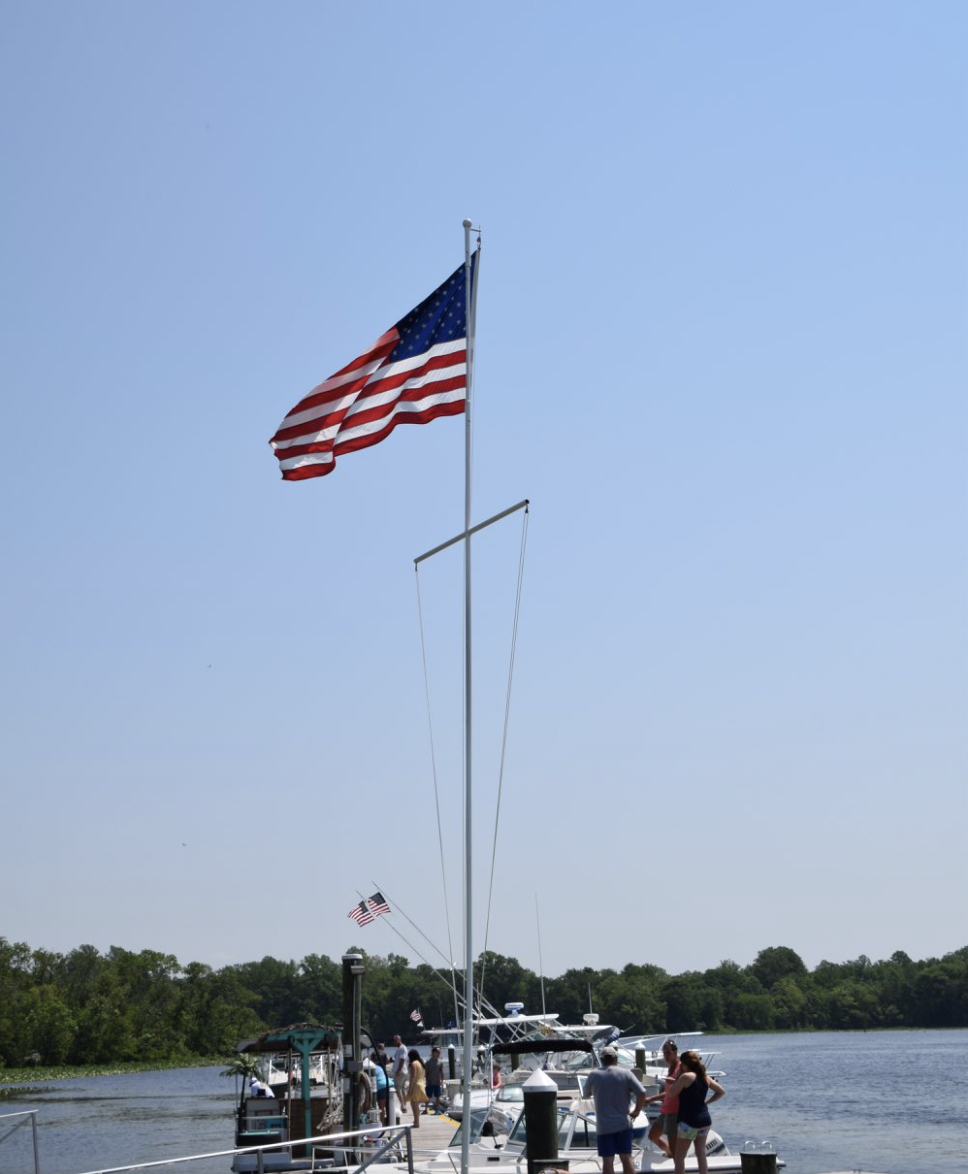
(350, 1152)
(30, 1117)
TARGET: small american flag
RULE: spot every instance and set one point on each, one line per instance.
(378, 904)
(361, 914)
(414, 373)
(417, 1017)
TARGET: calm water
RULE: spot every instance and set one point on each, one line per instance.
(895, 1103)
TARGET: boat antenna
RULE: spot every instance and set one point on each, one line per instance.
(537, 919)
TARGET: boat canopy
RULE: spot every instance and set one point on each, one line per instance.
(298, 1037)
(549, 1044)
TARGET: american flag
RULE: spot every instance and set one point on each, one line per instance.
(414, 373)
(361, 914)
(417, 1017)
(378, 904)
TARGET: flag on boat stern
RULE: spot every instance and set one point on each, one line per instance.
(417, 1017)
(414, 373)
(361, 914)
(378, 904)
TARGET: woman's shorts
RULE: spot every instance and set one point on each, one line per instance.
(669, 1123)
(610, 1144)
(691, 1132)
(382, 1094)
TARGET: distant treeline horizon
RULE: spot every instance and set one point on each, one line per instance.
(85, 1007)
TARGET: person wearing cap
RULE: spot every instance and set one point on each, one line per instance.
(258, 1089)
(613, 1090)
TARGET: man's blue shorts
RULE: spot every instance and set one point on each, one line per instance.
(610, 1144)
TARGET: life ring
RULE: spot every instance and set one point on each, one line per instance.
(366, 1092)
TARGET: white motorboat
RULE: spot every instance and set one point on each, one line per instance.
(577, 1148)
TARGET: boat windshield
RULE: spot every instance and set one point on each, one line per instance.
(511, 1092)
(478, 1118)
(574, 1130)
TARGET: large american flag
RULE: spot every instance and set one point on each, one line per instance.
(414, 373)
(361, 914)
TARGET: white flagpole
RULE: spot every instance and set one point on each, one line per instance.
(470, 307)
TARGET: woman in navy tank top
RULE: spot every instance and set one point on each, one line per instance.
(692, 1087)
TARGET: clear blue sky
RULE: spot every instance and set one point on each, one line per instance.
(722, 348)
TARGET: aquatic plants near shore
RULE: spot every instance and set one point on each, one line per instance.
(43, 1075)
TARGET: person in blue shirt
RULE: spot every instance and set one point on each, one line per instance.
(381, 1085)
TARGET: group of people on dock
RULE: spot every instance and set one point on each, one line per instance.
(417, 1083)
(683, 1114)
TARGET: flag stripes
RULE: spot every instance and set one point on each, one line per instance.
(361, 914)
(378, 904)
(414, 373)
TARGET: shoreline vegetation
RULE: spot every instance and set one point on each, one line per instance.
(22, 1077)
(40, 1074)
(88, 1013)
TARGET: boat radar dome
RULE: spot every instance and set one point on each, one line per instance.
(590, 1019)
(514, 1008)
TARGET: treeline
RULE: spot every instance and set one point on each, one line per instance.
(91, 1008)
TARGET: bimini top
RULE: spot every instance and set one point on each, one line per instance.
(552, 1043)
(298, 1037)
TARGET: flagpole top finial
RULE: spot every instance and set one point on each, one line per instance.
(468, 223)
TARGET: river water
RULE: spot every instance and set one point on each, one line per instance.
(886, 1102)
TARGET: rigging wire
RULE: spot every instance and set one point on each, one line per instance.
(433, 761)
(507, 719)
(477, 986)
(397, 908)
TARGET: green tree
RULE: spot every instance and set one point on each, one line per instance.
(754, 1012)
(790, 1004)
(502, 979)
(686, 1002)
(50, 1024)
(775, 963)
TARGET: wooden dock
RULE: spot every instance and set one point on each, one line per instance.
(435, 1133)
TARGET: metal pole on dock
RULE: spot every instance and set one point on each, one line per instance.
(353, 970)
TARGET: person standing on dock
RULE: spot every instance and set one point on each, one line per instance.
(435, 1078)
(694, 1121)
(613, 1090)
(417, 1089)
(666, 1122)
(400, 1073)
(381, 1088)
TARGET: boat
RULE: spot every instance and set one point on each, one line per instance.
(502, 1104)
(301, 1066)
(577, 1147)
(489, 1033)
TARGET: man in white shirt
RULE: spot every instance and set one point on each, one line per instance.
(400, 1072)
